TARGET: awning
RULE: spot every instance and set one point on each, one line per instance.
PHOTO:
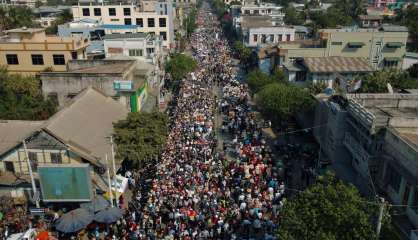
(355, 44)
(394, 44)
(392, 59)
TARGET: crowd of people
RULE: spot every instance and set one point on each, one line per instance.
(201, 191)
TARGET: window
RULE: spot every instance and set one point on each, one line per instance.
(150, 50)
(112, 11)
(247, 12)
(59, 59)
(151, 22)
(127, 12)
(37, 59)
(394, 178)
(255, 38)
(280, 37)
(256, 12)
(128, 21)
(74, 55)
(135, 52)
(56, 157)
(97, 12)
(263, 38)
(9, 166)
(162, 22)
(271, 38)
(288, 37)
(140, 22)
(390, 63)
(12, 59)
(33, 159)
(163, 35)
(86, 12)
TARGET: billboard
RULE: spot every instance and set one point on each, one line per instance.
(65, 183)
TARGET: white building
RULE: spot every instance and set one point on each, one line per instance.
(409, 59)
(28, 3)
(149, 16)
(269, 35)
(137, 45)
(263, 9)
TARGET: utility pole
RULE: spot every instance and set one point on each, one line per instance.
(379, 220)
(35, 192)
(109, 182)
(114, 166)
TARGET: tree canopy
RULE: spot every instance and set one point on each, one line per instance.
(180, 65)
(293, 17)
(328, 210)
(189, 22)
(279, 101)
(377, 82)
(21, 98)
(16, 17)
(64, 17)
(140, 136)
(257, 79)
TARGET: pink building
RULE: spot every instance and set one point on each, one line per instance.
(382, 3)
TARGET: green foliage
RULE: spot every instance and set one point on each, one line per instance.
(141, 136)
(21, 98)
(16, 17)
(376, 82)
(333, 17)
(293, 17)
(317, 88)
(243, 52)
(257, 80)
(280, 101)
(189, 22)
(330, 209)
(413, 71)
(180, 65)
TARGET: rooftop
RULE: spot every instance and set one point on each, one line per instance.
(256, 21)
(104, 69)
(371, 17)
(25, 30)
(410, 135)
(337, 64)
(94, 67)
(14, 131)
(124, 36)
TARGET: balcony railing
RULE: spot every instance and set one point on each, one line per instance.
(355, 148)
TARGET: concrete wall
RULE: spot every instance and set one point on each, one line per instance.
(408, 62)
(278, 33)
(127, 44)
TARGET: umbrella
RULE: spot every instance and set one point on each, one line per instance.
(97, 204)
(108, 215)
(74, 220)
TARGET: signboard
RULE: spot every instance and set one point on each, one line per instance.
(65, 183)
(115, 50)
(123, 85)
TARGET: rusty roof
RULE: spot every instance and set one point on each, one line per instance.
(337, 64)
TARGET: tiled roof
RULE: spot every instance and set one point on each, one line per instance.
(337, 64)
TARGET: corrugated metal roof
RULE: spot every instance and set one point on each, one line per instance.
(337, 64)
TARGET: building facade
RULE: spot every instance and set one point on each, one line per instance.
(269, 35)
(30, 51)
(152, 17)
(384, 47)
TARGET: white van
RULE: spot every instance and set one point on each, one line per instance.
(28, 235)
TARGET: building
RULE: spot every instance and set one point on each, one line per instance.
(137, 45)
(78, 133)
(119, 79)
(28, 3)
(326, 69)
(370, 21)
(30, 51)
(410, 59)
(383, 47)
(261, 30)
(372, 141)
(149, 16)
(383, 3)
(263, 9)
(46, 15)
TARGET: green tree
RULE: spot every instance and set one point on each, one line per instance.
(377, 82)
(410, 19)
(243, 52)
(180, 65)
(413, 71)
(140, 136)
(257, 80)
(189, 22)
(16, 16)
(280, 101)
(329, 210)
(293, 17)
(21, 98)
(64, 17)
